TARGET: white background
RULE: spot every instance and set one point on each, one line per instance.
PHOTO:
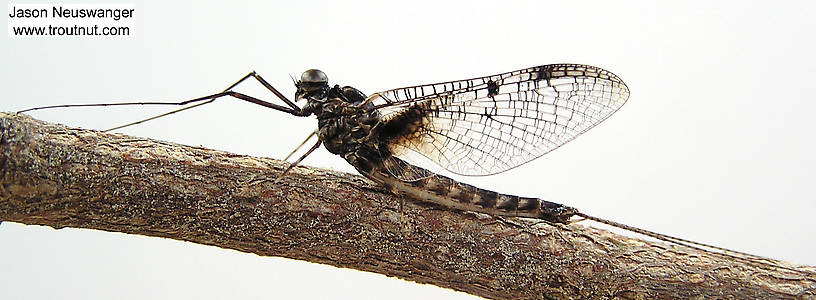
(715, 144)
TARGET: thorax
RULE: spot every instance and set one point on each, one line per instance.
(342, 126)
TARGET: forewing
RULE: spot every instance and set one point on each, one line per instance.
(491, 124)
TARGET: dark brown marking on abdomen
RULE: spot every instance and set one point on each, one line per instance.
(439, 188)
(526, 203)
(486, 198)
(460, 192)
(450, 193)
(507, 202)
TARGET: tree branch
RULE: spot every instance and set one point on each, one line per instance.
(63, 177)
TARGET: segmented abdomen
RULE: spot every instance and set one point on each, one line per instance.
(447, 192)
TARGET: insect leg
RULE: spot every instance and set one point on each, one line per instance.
(299, 160)
(295, 110)
(301, 144)
(273, 90)
(136, 103)
(291, 109)
(206, 99)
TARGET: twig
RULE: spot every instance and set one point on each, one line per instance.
(63, 177)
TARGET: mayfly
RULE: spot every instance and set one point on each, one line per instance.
(473, 127)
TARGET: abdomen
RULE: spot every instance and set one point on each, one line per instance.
(450, 193)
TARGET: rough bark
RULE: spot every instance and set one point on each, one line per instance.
(63, 177)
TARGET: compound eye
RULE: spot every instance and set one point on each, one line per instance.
(314, 76)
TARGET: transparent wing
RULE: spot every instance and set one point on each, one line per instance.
(491, 124)
(405, 171)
